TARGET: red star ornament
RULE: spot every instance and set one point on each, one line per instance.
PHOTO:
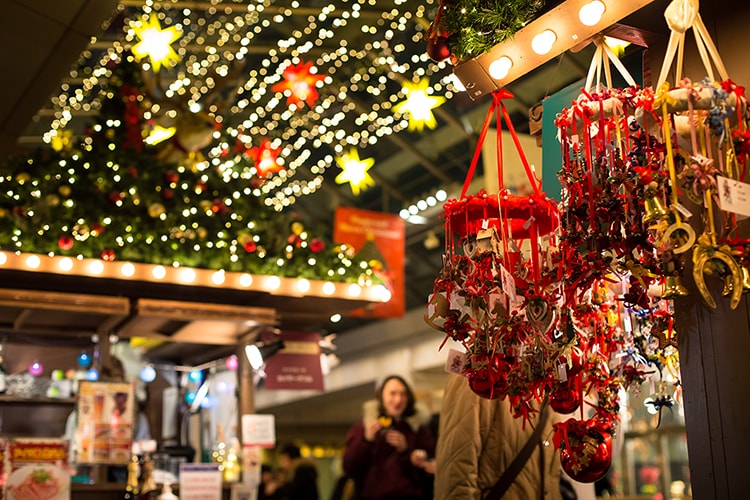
(266, 158)
(300, 82)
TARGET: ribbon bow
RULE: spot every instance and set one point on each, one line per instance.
(662, 97)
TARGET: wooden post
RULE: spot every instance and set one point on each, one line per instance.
(245, 387)
(714, 347)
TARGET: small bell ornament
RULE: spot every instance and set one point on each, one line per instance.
(673, 288)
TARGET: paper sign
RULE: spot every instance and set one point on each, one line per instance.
(259, 430)
(38, 469)
(455, 362)
(200, 482)
(734, 196)
(509, 284)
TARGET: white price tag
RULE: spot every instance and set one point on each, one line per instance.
(734, 196)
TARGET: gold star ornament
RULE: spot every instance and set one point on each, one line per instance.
(155, 43)
(354, 171)
(419, 105)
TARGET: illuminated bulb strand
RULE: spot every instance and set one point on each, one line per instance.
(203, 277)
(328, 137)
(199, 68)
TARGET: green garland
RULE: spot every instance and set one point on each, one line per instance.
(107, 196)
(473, 27)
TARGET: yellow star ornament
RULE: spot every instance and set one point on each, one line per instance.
(156, 43)
(419, 105)
(354, 171)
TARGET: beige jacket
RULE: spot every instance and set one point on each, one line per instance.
(478, 439)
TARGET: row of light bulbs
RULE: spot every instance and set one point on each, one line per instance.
(590, 14)
(191, 276)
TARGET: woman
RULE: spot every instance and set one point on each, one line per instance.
(379, 448)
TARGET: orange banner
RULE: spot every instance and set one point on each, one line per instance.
(381, 239)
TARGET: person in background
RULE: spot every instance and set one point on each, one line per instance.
(268, 487)
(379, 448)
(479, 439)
(300, 476)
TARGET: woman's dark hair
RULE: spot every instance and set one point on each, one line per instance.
(410, 400)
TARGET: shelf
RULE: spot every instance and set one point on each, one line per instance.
(4, 398)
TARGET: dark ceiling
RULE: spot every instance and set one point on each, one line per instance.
(43, 39)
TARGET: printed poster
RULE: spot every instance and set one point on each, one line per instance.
(38, 470)
(106, 419)
(380, 239)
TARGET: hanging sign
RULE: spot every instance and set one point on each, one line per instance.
(297, 365)
(380, 239)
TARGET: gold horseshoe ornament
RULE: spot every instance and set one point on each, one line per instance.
(702, 255)
(674, 232)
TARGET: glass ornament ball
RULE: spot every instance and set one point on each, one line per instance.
(84, 360)
(36, 368)
(148, 374)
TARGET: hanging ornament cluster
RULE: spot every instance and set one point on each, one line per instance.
(463, 29)
(489, 296)
(589, 312)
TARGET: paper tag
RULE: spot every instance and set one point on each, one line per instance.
(509, 284)
(684, 211)
(485, 223)
(627, 323)
(734, 196)
(528, 222)
(562, 372)
(455, 362)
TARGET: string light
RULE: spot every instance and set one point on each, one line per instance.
(230, 34)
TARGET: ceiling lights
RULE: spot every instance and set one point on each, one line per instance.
(567, 25)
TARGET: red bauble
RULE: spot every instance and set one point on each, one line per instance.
(564, 399)
(589, 457)
(171, 177)
(488, 377)
(438, 49)
(65, 242)
(108, 254)
(317, 245)
(167, 194)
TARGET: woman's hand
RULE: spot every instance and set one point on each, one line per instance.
(420, 459)
(397, 440)
(371, 430)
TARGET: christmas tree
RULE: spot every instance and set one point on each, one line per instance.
(114, 192)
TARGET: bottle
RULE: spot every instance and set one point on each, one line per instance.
(131, 487)
(149, 490)
(219, 450)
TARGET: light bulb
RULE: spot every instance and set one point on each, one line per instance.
(543, 42)
(591, 13)
(500, 67)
